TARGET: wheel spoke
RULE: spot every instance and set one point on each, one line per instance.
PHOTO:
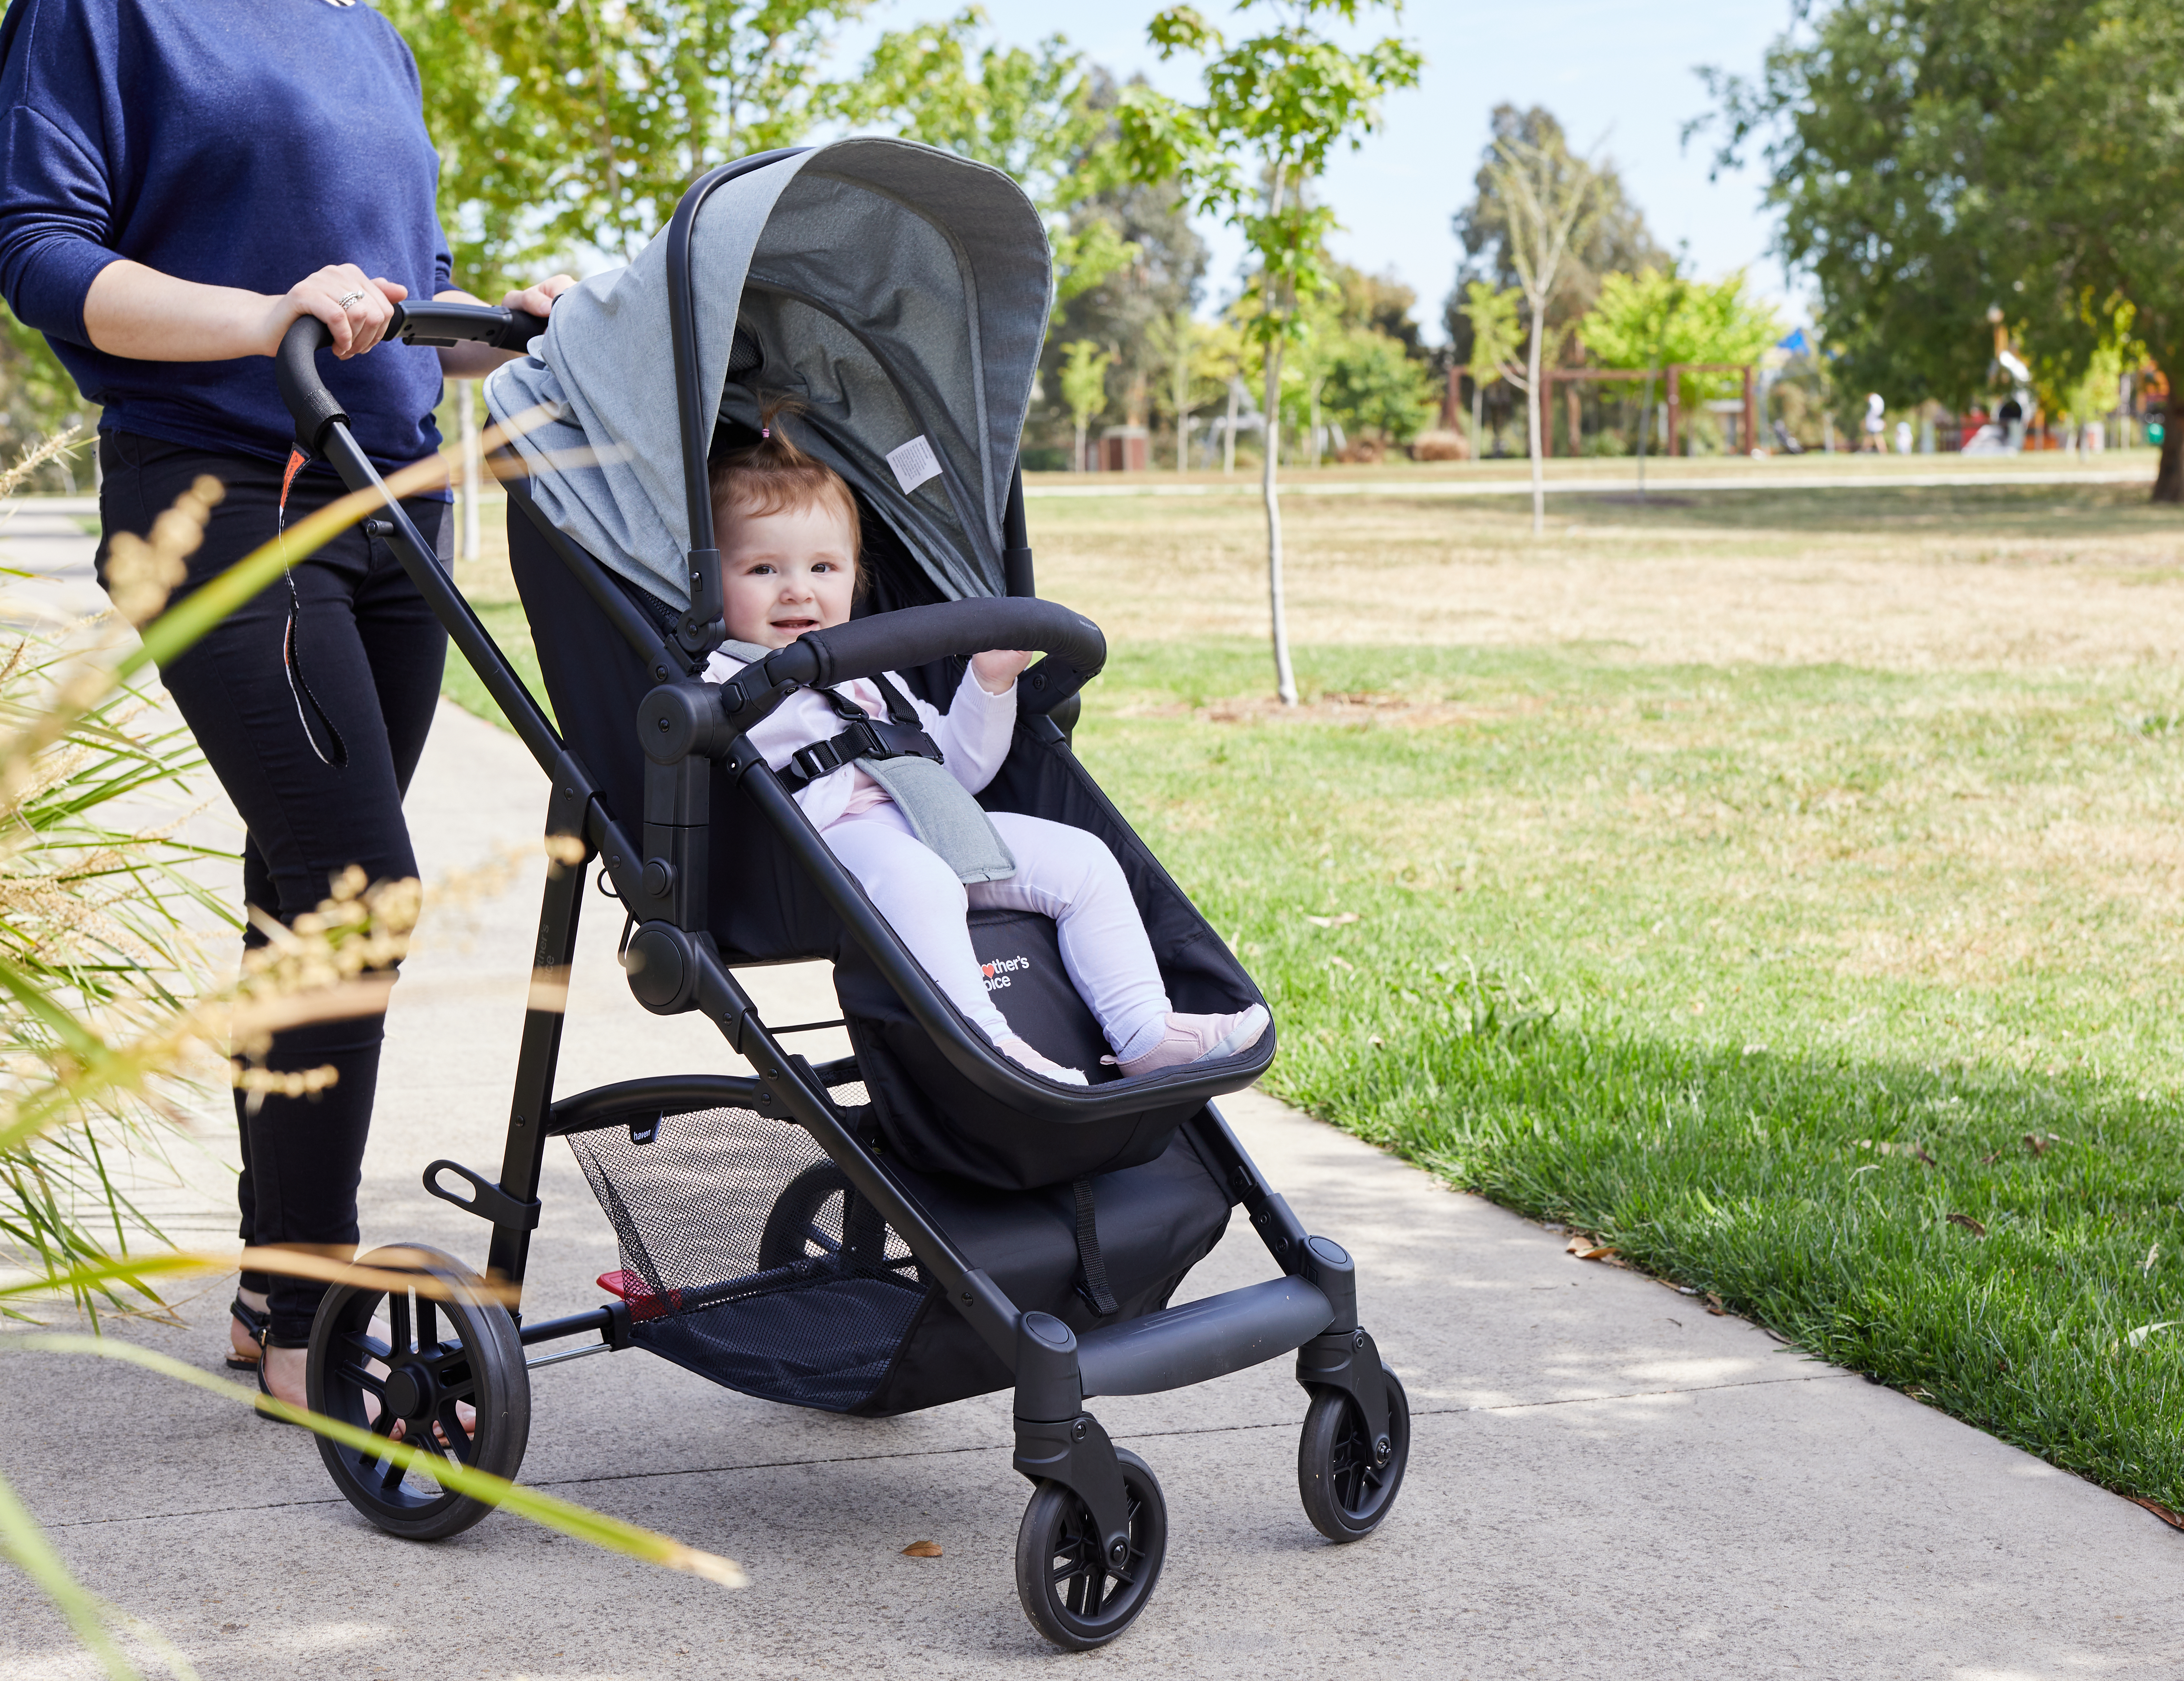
(398, 1321)
(359, 1376)
(458, 1442)
(368, 1346)
(428, 1323)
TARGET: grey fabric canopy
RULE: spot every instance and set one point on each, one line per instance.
(899, 292)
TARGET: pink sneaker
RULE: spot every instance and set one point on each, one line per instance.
(1197, 1039)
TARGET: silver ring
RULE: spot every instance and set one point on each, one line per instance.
(342, 302)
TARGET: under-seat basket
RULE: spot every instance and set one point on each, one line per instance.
(747, 1258)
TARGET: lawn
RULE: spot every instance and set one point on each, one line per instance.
(1783, 888)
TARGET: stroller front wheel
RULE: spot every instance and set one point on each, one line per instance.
(1070, 1591)
(1348, 1486)
(412, 1361)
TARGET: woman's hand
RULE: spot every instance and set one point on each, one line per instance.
(998, 667)
(354, 307)
(540, 299)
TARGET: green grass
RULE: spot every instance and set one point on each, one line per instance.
(1761, 975)
(508, 627)
(1760, 972)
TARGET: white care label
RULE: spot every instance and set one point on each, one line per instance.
(914, 463)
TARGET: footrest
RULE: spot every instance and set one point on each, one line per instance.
(1203, 1340)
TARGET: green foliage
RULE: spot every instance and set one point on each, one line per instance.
(572, 124)
(1084, 382)
(1616, 241)
(1495, 337)
(1934, 158)
(1653, 318)
(38, 400)
(1276, 105)
(1370, 386)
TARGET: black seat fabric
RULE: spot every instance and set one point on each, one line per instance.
(764, 909)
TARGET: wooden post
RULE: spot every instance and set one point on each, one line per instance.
(1452, 404)
(1750, 415)
(1571, 409)
(1675, 413)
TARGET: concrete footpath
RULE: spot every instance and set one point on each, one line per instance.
(1607, 1480)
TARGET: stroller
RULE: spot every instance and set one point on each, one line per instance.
(924, 1220)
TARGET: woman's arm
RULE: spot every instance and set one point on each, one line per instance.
(135, 311)
(475, 361)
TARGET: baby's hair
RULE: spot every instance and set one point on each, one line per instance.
(774, 477)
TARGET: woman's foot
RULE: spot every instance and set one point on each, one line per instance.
(1199, 1038)
(246, 1325)
(1017, 1051)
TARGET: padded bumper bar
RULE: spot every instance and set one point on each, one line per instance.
(1074, 648)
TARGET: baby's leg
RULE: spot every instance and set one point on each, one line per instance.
(923, 901)
(1069, 875)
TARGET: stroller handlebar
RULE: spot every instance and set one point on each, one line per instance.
(1075, 650)
(313, 408)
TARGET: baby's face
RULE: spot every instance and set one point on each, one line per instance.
(782, 574)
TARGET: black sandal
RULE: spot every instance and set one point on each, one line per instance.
(256, 1324)
(264, 1389)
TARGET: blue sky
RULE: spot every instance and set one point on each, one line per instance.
(1611, 69)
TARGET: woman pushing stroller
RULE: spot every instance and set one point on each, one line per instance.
(905, 824)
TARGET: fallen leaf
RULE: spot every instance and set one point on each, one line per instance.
(2158, 1510)
(1588, 1249)
(1990, 1157)
(2035, 1143)
(1968, 1223)
(1340, 919)
(1344, 963)
(2138, 1334)
(1377, 1042)
(921, 1550)
(1920, 1151)
(2153, 1254)
(1714, 1306)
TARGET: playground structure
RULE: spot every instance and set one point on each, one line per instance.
(1569, 378)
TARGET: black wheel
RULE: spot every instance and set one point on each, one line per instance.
(1071, 1592)
(1347, 1485)
(379, 1357)
(819, 1221)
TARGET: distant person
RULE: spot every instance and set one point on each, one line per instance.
(1876, 422)
(178, 185)
(1903, 438)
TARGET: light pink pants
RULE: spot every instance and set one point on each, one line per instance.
(1062, 873)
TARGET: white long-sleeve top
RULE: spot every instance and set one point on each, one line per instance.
(973, 734)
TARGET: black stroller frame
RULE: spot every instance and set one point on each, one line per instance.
(1093, 1541)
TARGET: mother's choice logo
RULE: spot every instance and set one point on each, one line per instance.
(997, 972)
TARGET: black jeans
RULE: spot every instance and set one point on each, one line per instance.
(372, 653)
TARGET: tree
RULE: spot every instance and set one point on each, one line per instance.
(1550, 199)
(1281, 100)
(1375, 389)
(1653, 318)
(579, 123)
(1199, 360)
(1619, 241)
(1934, 158)
(1492, 316)
(1164, 262)
(1083, 390)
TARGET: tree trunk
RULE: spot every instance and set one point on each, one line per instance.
(1532, 426)
(1229, 437)
(1078, 465)
(1314, 450)
(2169, 476)
(1284, 679)
(1477, 420)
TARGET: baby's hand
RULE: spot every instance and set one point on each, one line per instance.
(997, 667)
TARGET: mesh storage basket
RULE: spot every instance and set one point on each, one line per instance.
(748, 1258)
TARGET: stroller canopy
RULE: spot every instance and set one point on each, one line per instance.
(897, 292)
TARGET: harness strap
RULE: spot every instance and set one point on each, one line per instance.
(291, 657)
(1089, 1260)
(901, 735)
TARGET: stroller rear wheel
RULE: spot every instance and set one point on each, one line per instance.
(819, 1221)
(1070, 1591)
(382, 1359)
(1347, 1481)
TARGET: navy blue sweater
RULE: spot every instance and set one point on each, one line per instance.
(236, 142)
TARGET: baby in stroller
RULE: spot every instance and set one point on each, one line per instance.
(892, 795)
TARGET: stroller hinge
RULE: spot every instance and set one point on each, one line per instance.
(702, 628)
